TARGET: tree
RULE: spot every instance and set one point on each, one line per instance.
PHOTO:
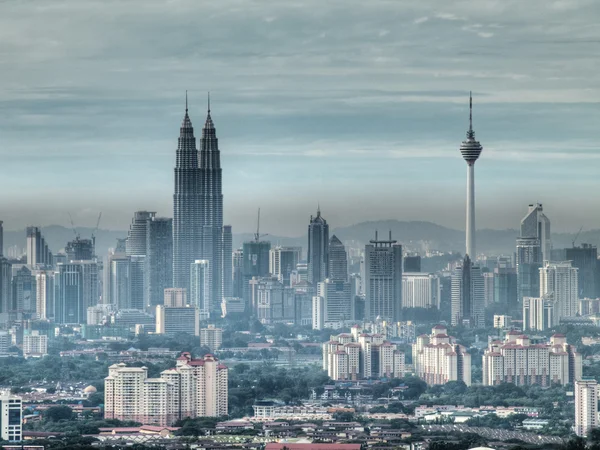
(57, 413)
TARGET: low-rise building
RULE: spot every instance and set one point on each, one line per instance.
(211, 337)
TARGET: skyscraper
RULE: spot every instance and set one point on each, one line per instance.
(79, 250)
(198, 208)
(238, 273)
(533, 248)
(200, 287)
(256, 265)
(338, 260)
(585, 259)
(77, 289)
(227, 262)
(136, 244)
(38, 253)
(159, 260)
(468, 295)
(282, 261)
(470, 150)
(186, 205)
(383, 279)
(558, 282)
(318, 249)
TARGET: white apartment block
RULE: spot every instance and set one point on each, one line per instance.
(211, 337)
(173, 320)
(558, 282)
(502, 321)
(437, 358)
(586, 406)
(10, 418)
(35, 345)
(517, 360)
(361, 355)
(420, 290)
(194, 388)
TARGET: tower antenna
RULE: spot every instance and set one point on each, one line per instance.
(186, 103)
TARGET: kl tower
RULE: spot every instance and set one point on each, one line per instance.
(470, 150)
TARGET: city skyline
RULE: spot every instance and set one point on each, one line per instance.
(105, 110)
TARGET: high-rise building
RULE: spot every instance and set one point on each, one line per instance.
(171, 320)
(470, 150)
(23, 291)
(335, 304)
(238, 273)
(533, 248)
(11, 418)
(274, 303)
(138, 281)
(76, 290)
(420, 290)
(44, 294)
(362, 355)
(318, 249)
(211, 337)
(117, 284)
(585, 259)
(383, 279)
(505, 287)
(38, 253)
(488, 288)
(437, 358)
(256, 265)
(35, 345)
(338, 260)
(5, 287)
(412, 263)
(558, 283)
(176, 298)
(538, 313)
(537, 226)
(194, 388)
(186, 205)
(200, 287)
(468, 295)
(283, 261)
(79, 250)
(137, 238)
(227, 262)
(1, 238)
(586, 406)
(159, 260)
(519, 361)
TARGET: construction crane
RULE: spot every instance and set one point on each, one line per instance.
(73, 226)
(576, 236)
(257, 235)
(95, 231)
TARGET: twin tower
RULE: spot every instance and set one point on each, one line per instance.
(198, 231)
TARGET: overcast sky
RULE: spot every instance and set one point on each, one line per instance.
(358, 105)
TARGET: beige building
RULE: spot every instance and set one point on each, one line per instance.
(211, 337)
(437, 358)
(194, 388)
(35, 345)
(517, 360)
(361, 355)
(173, 320)
(175, 298)
(586, 405)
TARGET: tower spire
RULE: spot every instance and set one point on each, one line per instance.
(208, 102)
(470, 111)
(186, 102)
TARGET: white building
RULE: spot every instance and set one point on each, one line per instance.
(44, 294)
(361, 355)
(283, 261)
(558, 282)
(502, 321)
(10, 418)
(337, 303)
(211, 337)
(586, 405)
(420, 290)
(35, 345)
(176, 298)
(194, 388)
(437, 358)
(173, 320)
(200, 287)
(518, 361)
(538, 313)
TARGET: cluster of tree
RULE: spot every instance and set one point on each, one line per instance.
(248, 384)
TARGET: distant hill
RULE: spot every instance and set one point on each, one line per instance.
(414, 235)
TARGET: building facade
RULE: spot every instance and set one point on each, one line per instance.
(194, 388)
(283, 261)
(11, 418)
(586, 406)
(468, 295)
(159, 260)
(438, 359)
(420, 290)
(559, 284)
(318, 249)
(517, 360)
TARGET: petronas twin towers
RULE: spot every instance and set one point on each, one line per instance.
(198, 232)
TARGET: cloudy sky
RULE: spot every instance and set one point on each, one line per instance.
(358, 105)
